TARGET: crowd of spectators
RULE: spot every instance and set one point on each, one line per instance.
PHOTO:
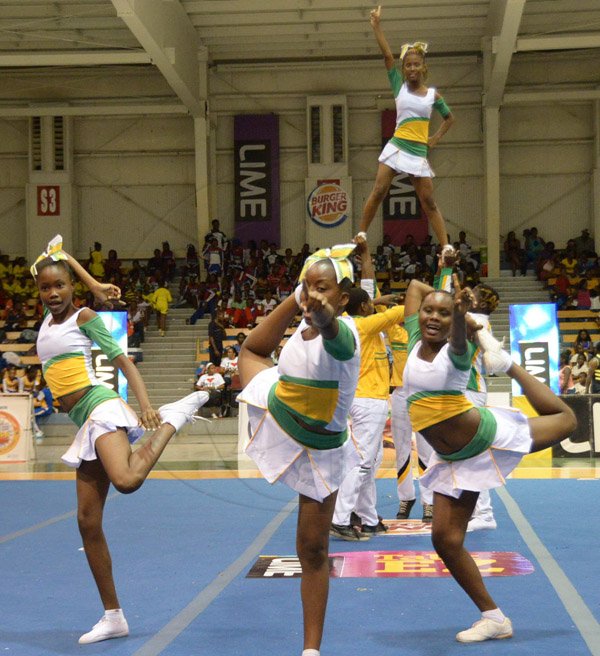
(577, 365)
(571, 274)
(236, 284)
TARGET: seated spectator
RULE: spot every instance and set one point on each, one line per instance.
(43, 406)
(285, 288)
(381, 261)
(534, 245)
(584, 338)
(153, 266)
(580, 385)
(548, 263)
(239, 340)
(594, 300)
(11, 383)
(31, 379)
(213, 383)
(584, 300)
(242, 315)
(570, 264)
(112, 267)
(267, 304)
(562, 286)
(192, 262)
(580, 366)
(577, 351)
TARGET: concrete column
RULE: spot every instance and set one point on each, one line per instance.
(596, 177)
(201, 142)
(491, 147)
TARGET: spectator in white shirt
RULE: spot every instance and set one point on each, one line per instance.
(213, 383)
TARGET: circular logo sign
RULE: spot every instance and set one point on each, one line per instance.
(327, 205)
(10, 432)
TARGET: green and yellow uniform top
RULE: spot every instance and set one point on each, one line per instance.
(413, 113)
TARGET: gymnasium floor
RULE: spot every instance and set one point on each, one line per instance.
(184, 544)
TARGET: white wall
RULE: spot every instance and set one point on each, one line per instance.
(134, 175)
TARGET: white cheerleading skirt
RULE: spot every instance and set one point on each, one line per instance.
(105, 418)
(488, 469)
(403, 162)
(315, 473)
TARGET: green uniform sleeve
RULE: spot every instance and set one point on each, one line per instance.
(97, 332)
(411, 324)
(342, 347)
(464, 361)
(396, 80)
(442, 108)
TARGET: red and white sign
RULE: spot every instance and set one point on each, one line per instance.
(48, 200)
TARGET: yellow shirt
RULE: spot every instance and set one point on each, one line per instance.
(398, 338)
(374, 375)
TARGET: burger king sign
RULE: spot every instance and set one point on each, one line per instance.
(327, 205)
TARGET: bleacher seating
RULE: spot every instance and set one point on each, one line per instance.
(570, 322)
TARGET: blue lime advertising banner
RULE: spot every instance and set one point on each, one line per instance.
(107, 374)
(534, 342)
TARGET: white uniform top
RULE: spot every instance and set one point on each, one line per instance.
(305, 368)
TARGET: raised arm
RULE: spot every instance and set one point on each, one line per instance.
(386, 51)
(463, 302)
(415, 294)
(101, 291)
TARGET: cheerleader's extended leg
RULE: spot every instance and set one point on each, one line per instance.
(424, 189)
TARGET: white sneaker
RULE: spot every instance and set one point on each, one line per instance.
(480, 522)
(496, 362)
(106, 629)
(485, 629)
(182, 412)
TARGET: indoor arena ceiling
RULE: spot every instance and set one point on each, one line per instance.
(36, 33)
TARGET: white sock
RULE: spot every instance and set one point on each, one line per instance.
(496, 615)
(114, 614)
(311, 652)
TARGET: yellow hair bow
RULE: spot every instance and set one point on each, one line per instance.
(420, 46)
(53, 251)
(338, 256)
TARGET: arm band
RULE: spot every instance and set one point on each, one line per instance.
(342, 347)
(97, 332)
(463, 361)
(442, 108)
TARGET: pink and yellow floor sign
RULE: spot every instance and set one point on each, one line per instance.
(392, 564)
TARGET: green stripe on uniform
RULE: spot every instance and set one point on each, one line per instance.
(62, 356)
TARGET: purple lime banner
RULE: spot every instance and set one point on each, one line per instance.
(402, 212)
(256, 147)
